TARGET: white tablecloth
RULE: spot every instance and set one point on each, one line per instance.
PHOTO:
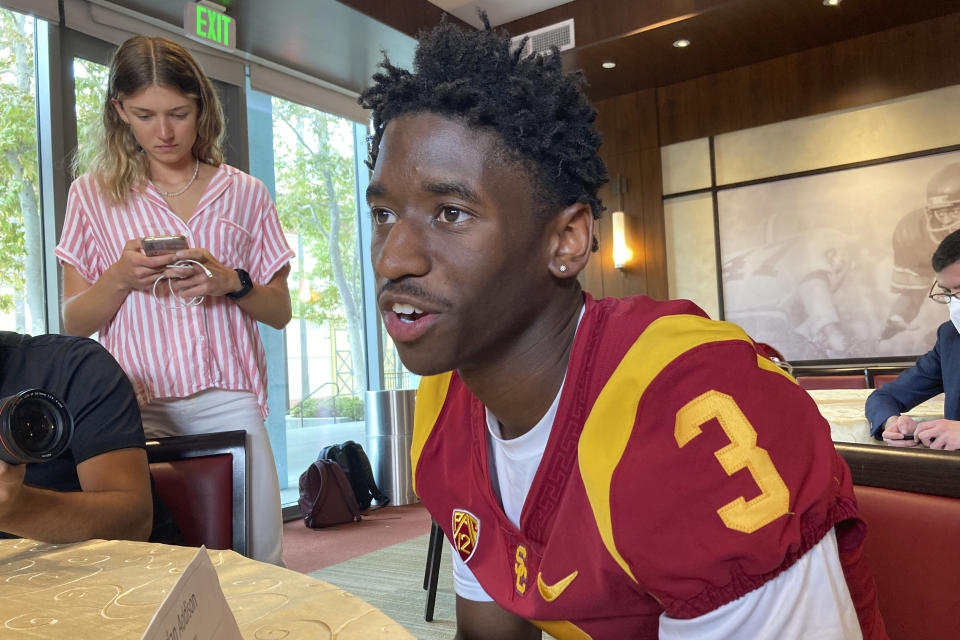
(843, 409)
(106, 590)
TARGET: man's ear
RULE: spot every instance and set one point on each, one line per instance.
(119, 107)
(571, 240)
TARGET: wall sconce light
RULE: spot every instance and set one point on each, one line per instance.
(621, 250)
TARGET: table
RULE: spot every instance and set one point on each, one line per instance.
(843, 409)
(104, 590)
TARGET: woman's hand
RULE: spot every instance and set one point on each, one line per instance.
(133, 270)
(267, 303)
(192, 280)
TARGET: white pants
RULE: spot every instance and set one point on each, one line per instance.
(216, 410)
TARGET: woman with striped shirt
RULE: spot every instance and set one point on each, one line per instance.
(186, 335)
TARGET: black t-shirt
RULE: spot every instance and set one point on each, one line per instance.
(92, 386)
(96, 391)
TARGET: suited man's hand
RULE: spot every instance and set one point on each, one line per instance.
(939, 434)
(896, 427)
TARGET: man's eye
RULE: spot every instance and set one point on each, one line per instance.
(382, 216)
(453, 215)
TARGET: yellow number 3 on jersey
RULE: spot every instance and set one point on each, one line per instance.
(742, 452)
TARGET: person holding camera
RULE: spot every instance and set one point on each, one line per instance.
(73, 464)
(182, 324)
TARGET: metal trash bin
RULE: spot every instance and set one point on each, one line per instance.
(389, 434)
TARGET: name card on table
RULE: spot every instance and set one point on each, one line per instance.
(195, 607)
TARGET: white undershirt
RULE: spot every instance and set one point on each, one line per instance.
(513, 463)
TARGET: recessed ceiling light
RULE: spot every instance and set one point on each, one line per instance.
(832, 3)
(681, 43)
(609, 64)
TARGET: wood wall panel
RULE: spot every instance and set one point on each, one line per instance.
(881, 66)
(653, 228)
(631, 149)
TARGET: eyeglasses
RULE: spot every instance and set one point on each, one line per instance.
(942, 297)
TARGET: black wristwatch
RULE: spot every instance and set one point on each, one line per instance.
(246, 285)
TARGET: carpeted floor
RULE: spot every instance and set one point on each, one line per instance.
(307, 550)
(391, 579)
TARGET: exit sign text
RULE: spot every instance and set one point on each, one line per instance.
(208, 21)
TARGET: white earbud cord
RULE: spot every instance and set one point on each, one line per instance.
(180, 264)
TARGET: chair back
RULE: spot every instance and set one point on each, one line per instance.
(202, 479)
(856, 381)
(882, 378)
(910, 501)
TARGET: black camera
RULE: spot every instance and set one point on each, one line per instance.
(35, 426)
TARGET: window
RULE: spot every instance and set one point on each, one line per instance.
(90, 84)
(22, 290)
(315, 186)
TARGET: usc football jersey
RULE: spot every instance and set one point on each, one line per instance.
(682, 471)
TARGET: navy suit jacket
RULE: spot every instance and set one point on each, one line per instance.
(936, 371)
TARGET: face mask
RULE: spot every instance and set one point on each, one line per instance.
(955, 313)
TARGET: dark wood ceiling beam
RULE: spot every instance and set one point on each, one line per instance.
(598, 20)
(408, 16)
(733, 34)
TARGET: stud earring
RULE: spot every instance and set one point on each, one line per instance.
(563, 268)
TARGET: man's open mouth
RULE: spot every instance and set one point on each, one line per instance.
(407, 312)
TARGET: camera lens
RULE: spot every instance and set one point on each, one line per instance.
(35, 426)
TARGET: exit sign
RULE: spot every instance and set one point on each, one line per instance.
(208, 21)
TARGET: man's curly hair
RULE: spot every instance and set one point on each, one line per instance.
(540, 114)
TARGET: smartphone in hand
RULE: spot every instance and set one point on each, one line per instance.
(158, 245)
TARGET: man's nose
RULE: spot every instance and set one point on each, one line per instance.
(401, 250)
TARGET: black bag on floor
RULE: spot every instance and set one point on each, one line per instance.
(326, 497)
(355, 464)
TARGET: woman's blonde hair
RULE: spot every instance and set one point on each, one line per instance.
(118, 162)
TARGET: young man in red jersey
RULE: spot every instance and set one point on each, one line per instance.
(618, 468)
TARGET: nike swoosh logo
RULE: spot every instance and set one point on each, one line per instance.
(551, 592)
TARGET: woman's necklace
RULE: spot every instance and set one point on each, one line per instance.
(173, 194)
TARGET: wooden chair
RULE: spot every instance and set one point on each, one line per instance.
(910, 500)
(202, 479)
(432, 571)
(882, 378)
(856, 381)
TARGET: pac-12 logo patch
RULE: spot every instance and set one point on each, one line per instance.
(466, 529)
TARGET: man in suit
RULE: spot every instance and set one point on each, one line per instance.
(937, 371)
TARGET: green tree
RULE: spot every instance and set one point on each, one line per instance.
(21, 243)
(315, 196)
(89, 90)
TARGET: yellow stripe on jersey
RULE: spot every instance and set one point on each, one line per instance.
(430, 397)
(769, 365)
(610, 423)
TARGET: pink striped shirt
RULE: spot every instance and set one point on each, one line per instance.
(174, 353)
